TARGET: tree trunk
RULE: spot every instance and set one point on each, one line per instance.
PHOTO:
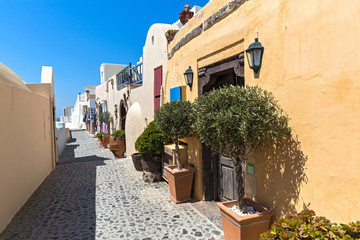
(241, 184)
(177, 154)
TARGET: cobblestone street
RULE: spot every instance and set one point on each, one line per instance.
(92, 195)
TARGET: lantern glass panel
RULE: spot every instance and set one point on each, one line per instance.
(249, 58)
(189, 79)
(257, 57)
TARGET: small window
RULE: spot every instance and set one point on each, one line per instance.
(152, 40)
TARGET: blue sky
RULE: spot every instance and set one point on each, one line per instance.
(76, 36)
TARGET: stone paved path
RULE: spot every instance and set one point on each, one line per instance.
(89, 197)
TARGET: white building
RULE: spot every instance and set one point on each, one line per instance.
(74, 117)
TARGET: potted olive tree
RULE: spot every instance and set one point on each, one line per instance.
(105, 117)
(234, 121)
(150, 145)
(175, 119)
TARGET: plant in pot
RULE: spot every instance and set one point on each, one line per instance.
(117, 143)
(234, 121)
(150, 145)
(175, 119)
(99, 137)
(105, 117)
(170, 34)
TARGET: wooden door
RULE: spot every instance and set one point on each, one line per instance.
(157, 86)
(228, 183)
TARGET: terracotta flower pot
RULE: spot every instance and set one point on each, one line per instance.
(136, 157)
(106, 140)
(180, 183)
(151, 164)
(248, 227)
(100, 141)
(117, 146)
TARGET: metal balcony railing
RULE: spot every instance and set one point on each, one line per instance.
(136, 74)
(132, 75)
(123, 76)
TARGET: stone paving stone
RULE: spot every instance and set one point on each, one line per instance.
(104, 199)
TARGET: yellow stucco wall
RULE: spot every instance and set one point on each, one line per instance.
(26, 152)
(311, 64)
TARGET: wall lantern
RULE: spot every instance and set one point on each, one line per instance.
(188, 75)
(254, 55)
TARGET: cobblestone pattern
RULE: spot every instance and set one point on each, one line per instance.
(105, 200)
(83, 147)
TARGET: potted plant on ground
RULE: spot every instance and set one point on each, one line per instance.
(117, 143)
(105, 117)
(99, 137)
(136, 158)
(235, 120)
(175, 119)
(150, 145)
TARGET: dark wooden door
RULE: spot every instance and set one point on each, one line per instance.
(219, 179)
(157, 86)
(228, 183)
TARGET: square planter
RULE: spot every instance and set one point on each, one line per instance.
(117, 146)
(180, 183)
(248, 227)
(106, 140)
(100, 141)
(136, 158)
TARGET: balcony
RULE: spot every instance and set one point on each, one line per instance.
(132, 75)
(122, 77)
(136, 74)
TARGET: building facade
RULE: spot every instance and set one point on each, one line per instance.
(310, 70)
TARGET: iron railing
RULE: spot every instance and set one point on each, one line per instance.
(130, 75)
(136, 74)
(123, 77)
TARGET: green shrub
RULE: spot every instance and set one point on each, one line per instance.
(235, 120)
(119, 134)
(175, 119)
(151, 140)
(306, 225)
(99, 135)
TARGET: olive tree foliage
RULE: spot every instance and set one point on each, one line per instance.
(175, 119)
(105, 117)
(235, 120)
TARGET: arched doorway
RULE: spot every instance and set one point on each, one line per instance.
(122, 115)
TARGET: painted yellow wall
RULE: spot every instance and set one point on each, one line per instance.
(26, 155)
(311, 64)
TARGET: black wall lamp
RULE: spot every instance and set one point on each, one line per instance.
(188, 75)
(254, 55)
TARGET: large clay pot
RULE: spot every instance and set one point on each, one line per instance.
(180, 183)
(136, 157)
(151, 164)
(106, 140)
(100, 141)
(117, 146)
(247, 227)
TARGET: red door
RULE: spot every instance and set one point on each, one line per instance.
(157, 86)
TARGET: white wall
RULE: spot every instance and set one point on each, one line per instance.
(108, 69)
(61, 137)
(26, 124)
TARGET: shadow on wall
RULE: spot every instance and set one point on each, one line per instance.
(280, 175)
